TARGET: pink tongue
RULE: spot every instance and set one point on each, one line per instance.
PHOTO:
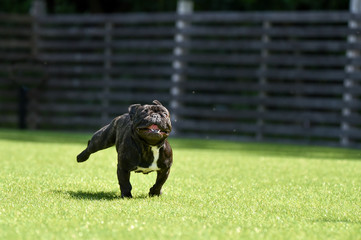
(153, 127)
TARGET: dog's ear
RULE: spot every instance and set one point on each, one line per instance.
(156, 102)
(133, 109)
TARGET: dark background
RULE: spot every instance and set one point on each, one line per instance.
(114, 6)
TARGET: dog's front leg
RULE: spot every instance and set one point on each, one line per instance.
(162, 176)
(124, 183)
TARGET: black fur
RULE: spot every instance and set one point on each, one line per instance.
(133, 137)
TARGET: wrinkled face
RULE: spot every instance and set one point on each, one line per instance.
(151, 122)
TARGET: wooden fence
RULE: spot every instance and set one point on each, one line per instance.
(259, 76)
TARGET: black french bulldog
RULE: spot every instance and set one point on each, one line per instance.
(140, 138)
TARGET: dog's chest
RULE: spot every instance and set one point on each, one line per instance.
(153, 166)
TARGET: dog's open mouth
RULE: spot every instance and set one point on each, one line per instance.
(153, 129)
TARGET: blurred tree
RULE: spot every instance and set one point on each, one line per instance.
(15, 6)
(112, 6)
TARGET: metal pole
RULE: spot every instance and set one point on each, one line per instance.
(355, 8)
(184, 7)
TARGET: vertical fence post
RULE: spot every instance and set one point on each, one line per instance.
(38, 9)
(184, 7)
(262, 81)
(355, 8)
(107, 71)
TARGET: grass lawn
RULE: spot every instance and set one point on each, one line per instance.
(216, 190)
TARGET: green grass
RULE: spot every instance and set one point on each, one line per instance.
(216, 190)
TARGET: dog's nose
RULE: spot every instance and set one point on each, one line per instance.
(156, 118)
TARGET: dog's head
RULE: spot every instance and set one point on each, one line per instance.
(151, 122)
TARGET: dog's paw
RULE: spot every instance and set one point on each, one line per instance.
(126, 195)
(83, 156)
(154, 193)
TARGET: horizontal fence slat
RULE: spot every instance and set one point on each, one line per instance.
(15, 43)
(114, 18)
(233, 128)
(100, 31)
(8, 106)
(70, 121)
(145, 97)
(145, 31)
(304, 32)
(271, 60)
(269, 115)
(8, 119)
(71, 32)
(279, 45)
(14, 56)
(255, 115)
(296, 102)
(8, 94)
(76, 109)
(292, 88)
(214, 126)
(302, 131)
(98, 96)
(216, 72)
(58, 109)
(98, 57)
(15, 18)
(99, 44)
(71, 45)
(138, 71)
(22, 32)
(121, 83)
(291, 17)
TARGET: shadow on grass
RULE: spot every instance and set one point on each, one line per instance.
(95, 196)
(336, 220)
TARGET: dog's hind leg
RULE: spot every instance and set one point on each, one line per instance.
(124, 183)
(102, 139)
